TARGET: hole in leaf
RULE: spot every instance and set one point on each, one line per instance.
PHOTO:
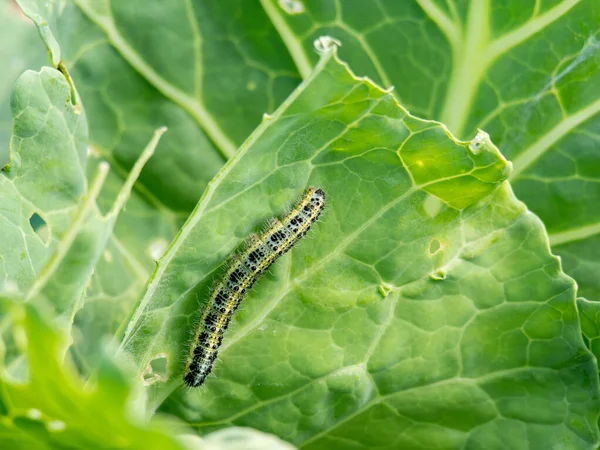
(385, 289)
(435, 246)
(39, 225)
(156, 370)
(438, 275)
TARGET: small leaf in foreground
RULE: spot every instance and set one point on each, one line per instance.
(52, 409)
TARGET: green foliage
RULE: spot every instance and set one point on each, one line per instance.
(52, 409)
(24, 52)
(406, 307)
(527, 72)
(425, 310)
(47, 264)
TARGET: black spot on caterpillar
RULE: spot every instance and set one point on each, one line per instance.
(244, 269)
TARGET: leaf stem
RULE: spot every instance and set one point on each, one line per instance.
(468, 66)
(65, 244)
(134, 174)
(293, 44)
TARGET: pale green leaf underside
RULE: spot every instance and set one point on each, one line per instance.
(57, 256)
(412, 317)
(528, 72)
(45, 177)
(24, 52)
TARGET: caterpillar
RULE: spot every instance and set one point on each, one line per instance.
(244, 269)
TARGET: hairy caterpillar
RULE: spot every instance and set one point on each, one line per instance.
(261, 251)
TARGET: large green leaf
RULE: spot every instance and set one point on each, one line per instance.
(425, 311)
(528, 72)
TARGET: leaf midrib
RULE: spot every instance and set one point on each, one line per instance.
(574, 234)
